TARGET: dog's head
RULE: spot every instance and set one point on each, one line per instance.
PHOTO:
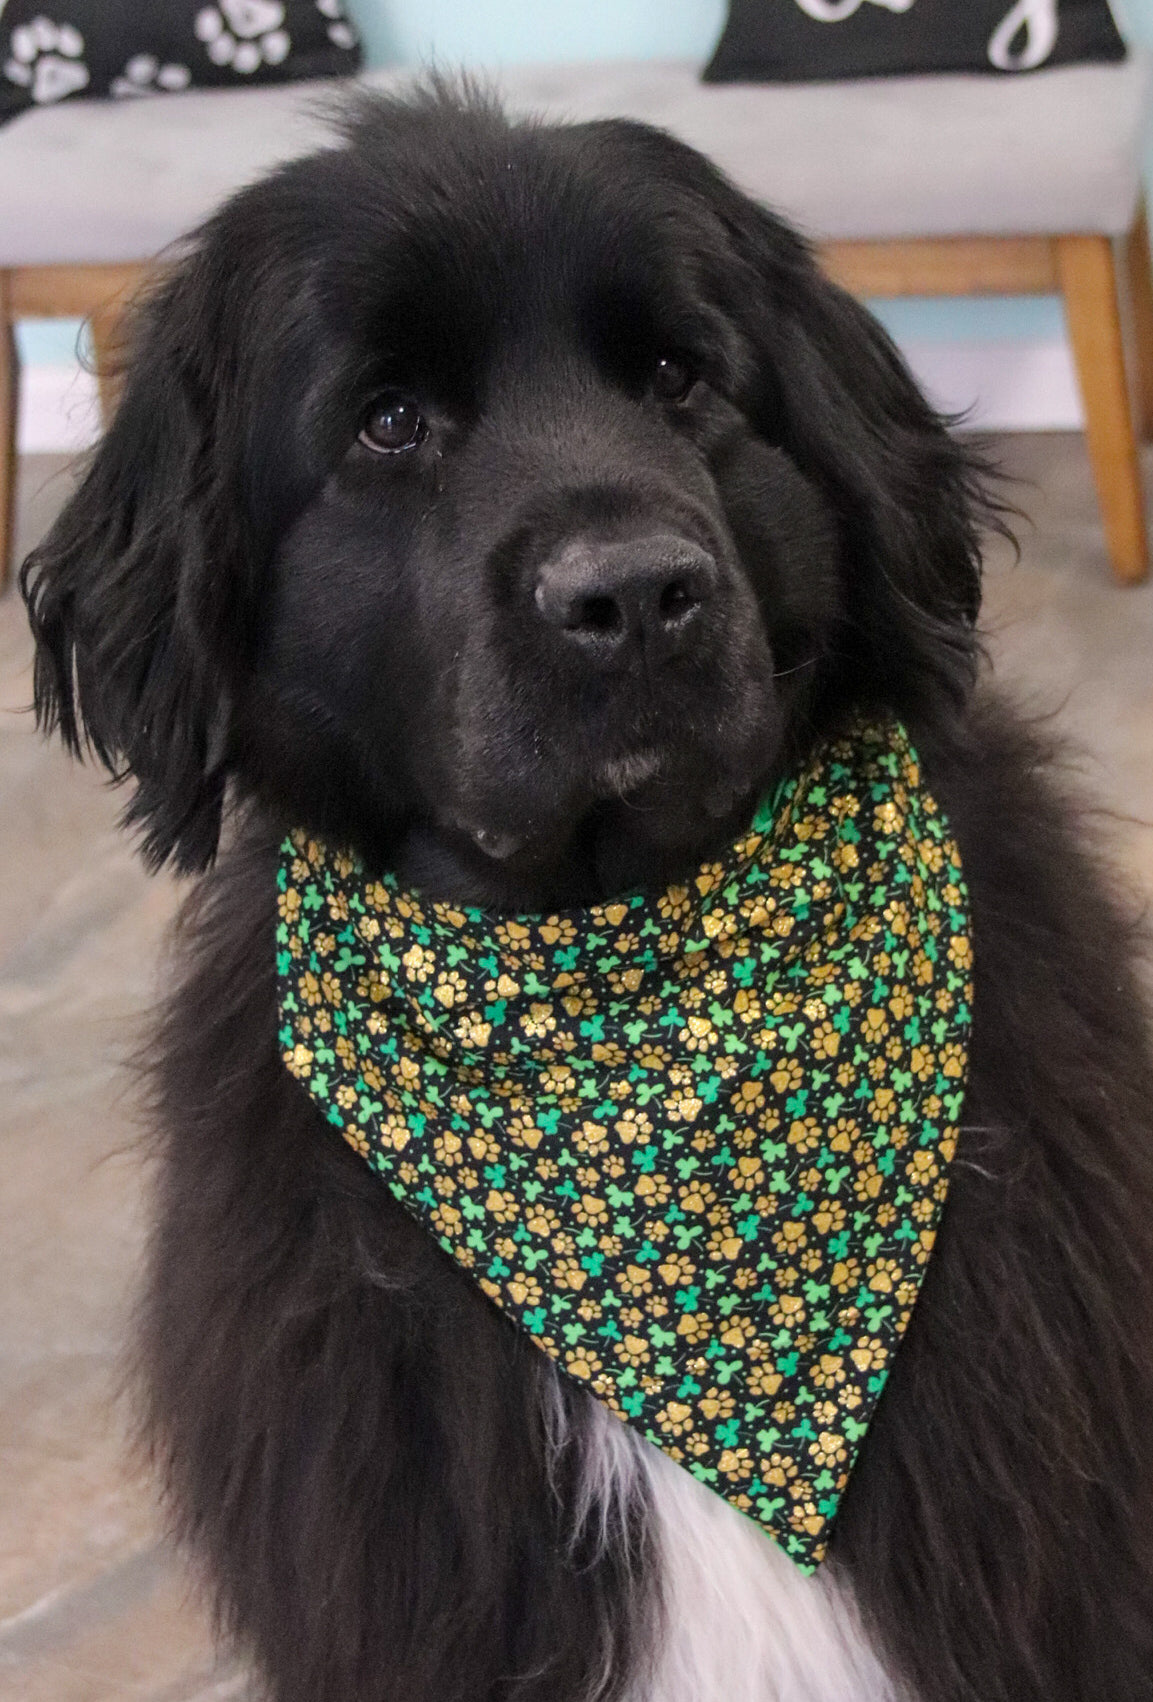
(504, 498)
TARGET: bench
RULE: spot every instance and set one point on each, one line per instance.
(909, 186)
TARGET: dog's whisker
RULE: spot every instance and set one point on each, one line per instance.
(797, 668)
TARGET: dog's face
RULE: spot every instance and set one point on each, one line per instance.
(506, 500)
(557, 578)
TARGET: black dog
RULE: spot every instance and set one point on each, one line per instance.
(513, 503)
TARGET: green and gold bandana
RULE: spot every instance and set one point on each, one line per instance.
(695, 1143)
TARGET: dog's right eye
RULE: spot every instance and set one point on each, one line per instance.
(393, 423)
(672, 378)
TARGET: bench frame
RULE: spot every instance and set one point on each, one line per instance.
(1106, 287)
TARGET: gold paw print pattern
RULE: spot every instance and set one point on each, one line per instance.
(696, 1143)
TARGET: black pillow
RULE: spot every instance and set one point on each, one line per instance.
(792, 41)
(51, 49)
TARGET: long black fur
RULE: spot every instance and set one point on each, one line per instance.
(242, 603)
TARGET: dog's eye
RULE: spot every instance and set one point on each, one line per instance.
(392, 423)
(672, 379)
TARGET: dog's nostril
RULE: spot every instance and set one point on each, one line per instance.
(598, 614)
(676, 602)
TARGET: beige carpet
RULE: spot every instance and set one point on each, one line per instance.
(92, 1603)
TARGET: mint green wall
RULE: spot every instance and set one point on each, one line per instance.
(510, 31)
(493, 32)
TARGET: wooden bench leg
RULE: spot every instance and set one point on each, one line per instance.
(104, 323)
(1087, 273)
(9, 394)
(1139, 268)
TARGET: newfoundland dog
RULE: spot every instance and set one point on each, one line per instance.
(515, 505)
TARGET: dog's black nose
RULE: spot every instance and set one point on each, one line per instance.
(648, 592)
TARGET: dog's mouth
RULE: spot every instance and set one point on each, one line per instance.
(553, 780)
(644, 782)
(623, 780)
(667, 803)
(622, 775)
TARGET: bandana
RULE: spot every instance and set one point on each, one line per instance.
(695, 1143)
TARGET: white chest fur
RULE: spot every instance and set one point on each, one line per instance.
(741, 1623)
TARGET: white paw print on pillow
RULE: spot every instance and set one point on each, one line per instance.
(340, 32)
(244, 34)
(44, 58)
(145, 75)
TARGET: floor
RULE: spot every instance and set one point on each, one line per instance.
(93, 1604)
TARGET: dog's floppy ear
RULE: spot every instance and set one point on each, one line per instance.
(134, 596)
(911, 499)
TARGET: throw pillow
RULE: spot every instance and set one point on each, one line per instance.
(53, 49)
(787, 41)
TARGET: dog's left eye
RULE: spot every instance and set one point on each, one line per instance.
(392, 423)
(672, 379)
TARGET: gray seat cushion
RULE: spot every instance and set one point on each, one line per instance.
(913, 156)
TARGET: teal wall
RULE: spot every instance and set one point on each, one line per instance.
(493, 32)
(407, 32)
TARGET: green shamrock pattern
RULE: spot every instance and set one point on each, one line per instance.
(695, 1143)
